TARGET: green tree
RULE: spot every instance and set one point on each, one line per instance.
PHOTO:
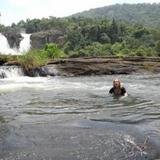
(104, 38)
(158, 47)
(113, 32)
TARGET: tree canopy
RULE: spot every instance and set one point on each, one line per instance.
(84, 36)
(145, 14)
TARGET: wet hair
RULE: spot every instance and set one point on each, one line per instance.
(117, 80)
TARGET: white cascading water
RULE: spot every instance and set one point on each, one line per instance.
(13, 71)
(24, 45)
(4, 46)
(10, 72)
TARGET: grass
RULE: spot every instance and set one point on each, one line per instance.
(33, 59)
(37, 58)
(7, 58)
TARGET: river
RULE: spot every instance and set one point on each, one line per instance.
(74, 118)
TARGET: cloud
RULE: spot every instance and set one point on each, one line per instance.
(20, 3)
(64, 8)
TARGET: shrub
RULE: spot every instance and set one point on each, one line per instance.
(37, 58)
(53, 51)
(33, 59)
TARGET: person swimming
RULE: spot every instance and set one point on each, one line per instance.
(117, 89)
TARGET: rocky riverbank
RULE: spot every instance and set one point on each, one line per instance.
(96, 66)
(101, 66)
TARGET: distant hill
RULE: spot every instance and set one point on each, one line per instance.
(146, 14)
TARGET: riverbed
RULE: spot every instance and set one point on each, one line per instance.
(74, 118)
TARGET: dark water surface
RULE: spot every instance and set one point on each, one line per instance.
(76, 119)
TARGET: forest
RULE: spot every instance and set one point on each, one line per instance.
(143, 13)
(99, 36)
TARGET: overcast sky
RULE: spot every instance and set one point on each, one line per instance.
(16, 10)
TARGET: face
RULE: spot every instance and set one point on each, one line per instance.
(116, 84)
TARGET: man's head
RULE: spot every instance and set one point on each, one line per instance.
(116, 83)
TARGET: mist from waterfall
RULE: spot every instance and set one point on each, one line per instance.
(23, 48)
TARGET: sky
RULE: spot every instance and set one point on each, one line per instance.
(12, 11)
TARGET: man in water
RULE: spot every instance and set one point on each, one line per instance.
(117, 89)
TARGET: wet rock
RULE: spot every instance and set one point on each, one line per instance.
(32, 72)
(49, 70)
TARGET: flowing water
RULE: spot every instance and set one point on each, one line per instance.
(76, 119)
(23, 48)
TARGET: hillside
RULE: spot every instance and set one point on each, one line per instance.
(146, 14)
(81, 36)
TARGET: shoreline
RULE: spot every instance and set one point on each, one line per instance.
(105, 65)
(84, 66)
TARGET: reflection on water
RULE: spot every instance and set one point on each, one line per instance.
(85, 100)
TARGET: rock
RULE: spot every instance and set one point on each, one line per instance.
(94, 66)
(14, 38)
(49, 70)
(39, 39)
(105, 65)
(34, 72)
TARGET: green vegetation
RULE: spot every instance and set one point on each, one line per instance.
(105, 38)
(94, 35)
(37, 58)
(2, 28)
(145, 14)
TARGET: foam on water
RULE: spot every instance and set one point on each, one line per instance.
(17, 83)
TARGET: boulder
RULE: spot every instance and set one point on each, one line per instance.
(39, 39)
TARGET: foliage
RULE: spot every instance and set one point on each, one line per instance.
(36, 58)
(2, 28)
(6, 58)
(52, 51)
(32, 59)
(93, 36)
(158, 47)
(145, 14)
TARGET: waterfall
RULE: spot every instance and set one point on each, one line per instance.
(24, 45)
(4, 46)
(10, 71)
